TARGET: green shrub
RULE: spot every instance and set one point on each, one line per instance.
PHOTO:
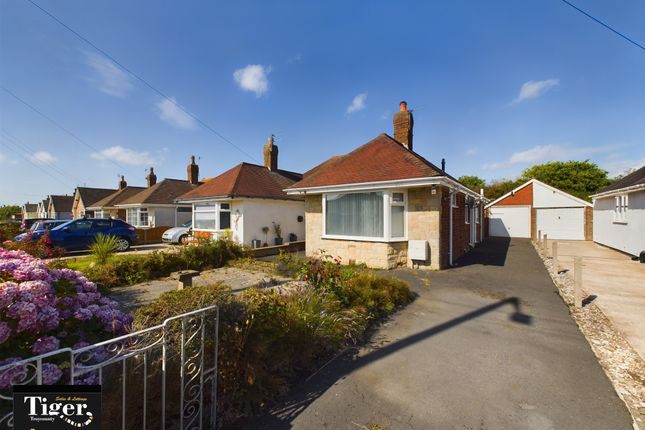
(211, 254)
(376, 295)
(41, 248)
(103, 247)
(8, 231)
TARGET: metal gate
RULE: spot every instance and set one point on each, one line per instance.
(163, 377)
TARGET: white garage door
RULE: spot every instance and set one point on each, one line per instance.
(510, 221)
(561, 223)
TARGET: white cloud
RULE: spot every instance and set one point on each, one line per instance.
(170, 112)
(126, 156)
(108, 77)
(358, 103)
(534, 89)
(617, 167)
(253, 78)
(548, 153)
(42, 157)
(471, 151)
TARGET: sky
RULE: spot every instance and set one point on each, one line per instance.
(495, 86)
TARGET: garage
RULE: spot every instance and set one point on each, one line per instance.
(510, 221)
(561, 223)
(535, 206)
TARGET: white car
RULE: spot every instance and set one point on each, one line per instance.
(177, 234)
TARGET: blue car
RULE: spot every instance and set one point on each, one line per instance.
(80, 233)
(38, 229)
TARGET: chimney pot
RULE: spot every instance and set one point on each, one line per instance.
(193, 171)
(151, 178)
(122, 183)
(271, 155)
(403, 123)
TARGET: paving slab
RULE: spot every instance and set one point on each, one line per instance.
(486, 345)
(617, 281)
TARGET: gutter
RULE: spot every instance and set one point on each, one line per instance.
(624, 190)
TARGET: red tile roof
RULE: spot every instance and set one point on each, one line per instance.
(381, 159)
(117, 197)
(247, 180)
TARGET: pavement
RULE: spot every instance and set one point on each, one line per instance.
(616, 281)
(486, 345)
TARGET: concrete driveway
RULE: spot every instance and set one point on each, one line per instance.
(617, 282)
(487, 345)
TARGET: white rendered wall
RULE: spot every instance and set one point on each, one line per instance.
(259, 213)
(544, 197)
(627, 237)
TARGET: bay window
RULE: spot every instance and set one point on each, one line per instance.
(212, 216)
(373, 215)
(137, 217)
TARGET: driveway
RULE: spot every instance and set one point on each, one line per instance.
(616, 280)
(486, 345)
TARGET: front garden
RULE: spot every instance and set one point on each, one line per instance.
(269, 339)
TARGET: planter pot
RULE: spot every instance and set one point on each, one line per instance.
(256, 243)
(278, 241)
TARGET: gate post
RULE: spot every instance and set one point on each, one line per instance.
(577, 282)
(545, 245)
(554, 255)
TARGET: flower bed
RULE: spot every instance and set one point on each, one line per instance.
(43, 309)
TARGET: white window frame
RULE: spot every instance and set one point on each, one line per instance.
(467, 210)
(387, 212)
(453, 200)
(621, 208)
(477, 213)
(138, 214)
(215, 208)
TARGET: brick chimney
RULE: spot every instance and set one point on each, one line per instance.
(122, 183)
(193, 171)
(151, 178)
(403, 123)
(271, 155)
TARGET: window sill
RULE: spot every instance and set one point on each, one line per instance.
(620, 222)
(363, 239)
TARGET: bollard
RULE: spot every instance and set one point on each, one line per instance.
(577, 282)
(539, 237)
(545, 245)
(554, 255)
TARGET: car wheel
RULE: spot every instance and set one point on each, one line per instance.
(122, 244)
(183, 239)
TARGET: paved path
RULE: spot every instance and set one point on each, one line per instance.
(488, 345)
(616, 280)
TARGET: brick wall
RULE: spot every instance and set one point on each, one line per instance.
(523, 196)
(588, 223)
(460, 230)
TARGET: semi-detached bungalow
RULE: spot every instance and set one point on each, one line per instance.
(59, 207)
(248, 201)
(107, 206)
(84, 197)
(386, 206)
(619, 214)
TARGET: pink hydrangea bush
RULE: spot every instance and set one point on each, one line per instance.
(44, 309)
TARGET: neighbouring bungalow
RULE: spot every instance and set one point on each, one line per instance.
(84, 197)
(619, 214)
(154, 209)
(107, 206)
(386, 206)
(29, 210)
(42, 208)
(535, 207)
(60, 207)
(249, 200)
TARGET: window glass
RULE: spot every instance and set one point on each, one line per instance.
(205, 220)
(102, 224)
(398, 221)
(225, 206)
(224, 220)
(397, 197)
(143, 217)
(182, 209)
(358, 214)
(80, 225)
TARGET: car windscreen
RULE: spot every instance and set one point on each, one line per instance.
(52, 225)
(63, 225)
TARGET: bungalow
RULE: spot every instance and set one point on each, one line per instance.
(107, 206)
(619, 214)
(154, 209)
(249, 201)
(42, 208)
(386, 206)
(85, 197)
(537, 207)
(29, 210)
(59, 207)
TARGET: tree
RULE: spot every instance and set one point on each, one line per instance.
(500, 187)
(7, 211)
(578, 178)
(475, 183)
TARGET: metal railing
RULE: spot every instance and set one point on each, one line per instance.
(160, 377)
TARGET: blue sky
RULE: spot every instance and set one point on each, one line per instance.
(495, 86)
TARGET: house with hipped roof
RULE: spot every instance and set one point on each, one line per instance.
(385, 205)
(619, 214)
(85, 197)
(248, 201)
(107, 206)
